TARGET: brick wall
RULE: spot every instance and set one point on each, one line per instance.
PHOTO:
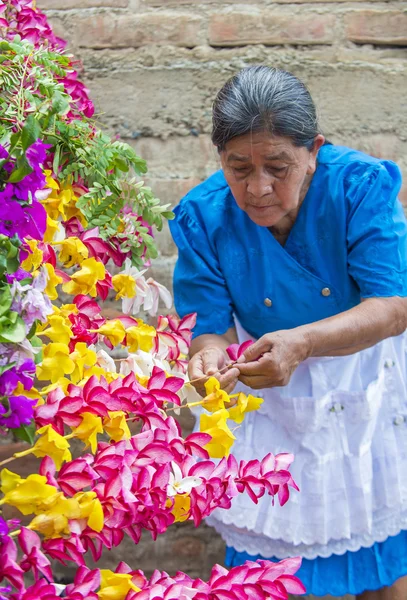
(154, 66)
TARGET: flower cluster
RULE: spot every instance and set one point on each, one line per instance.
(76, 229)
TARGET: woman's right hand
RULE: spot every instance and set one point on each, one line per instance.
(209, 362)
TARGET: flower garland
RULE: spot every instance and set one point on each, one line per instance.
(76, 226)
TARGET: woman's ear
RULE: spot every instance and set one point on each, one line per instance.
(312, 164)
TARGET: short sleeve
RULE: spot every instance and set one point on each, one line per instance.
(199, 285)
(377, 232)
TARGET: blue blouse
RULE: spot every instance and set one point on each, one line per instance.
(349, 241)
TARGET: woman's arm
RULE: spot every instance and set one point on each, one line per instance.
(208, 357)
(273, 358)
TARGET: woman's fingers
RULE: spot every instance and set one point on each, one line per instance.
(229, 379)
(212, 360)
(255, 350)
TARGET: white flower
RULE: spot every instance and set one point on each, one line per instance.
(179, 484)
(105, 361)
(148, 293)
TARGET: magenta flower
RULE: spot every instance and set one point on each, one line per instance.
(20, 412)
(27, 221)
(23, 373)
(235, 351)
(34, 560)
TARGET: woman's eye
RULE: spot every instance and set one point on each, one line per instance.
(240, 169)
(277, 169)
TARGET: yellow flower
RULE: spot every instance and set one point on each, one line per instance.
(33, 393)
(222, 438)
(62, 383)
(73, 252)
(88, 430)
(53, 523)
(181, 508)
(59, 329)
(115, 586)
(56, 363)
(215, 398)
(140, 337)
(90, 509)
(62, 200)
(116, 426)
(28, 495)
(82, 357)
(84, 281)
(114, 331)
(52, 228)
(124, 285)
(52, 281)
(34, 259)
(50, 443)
(244, 405)
(55, 520)
(65, 310)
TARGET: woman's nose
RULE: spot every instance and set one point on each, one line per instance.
(259, 185)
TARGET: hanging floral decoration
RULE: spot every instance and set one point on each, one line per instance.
(76, 228)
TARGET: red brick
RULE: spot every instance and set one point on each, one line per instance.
(377, 27)
(105, 30)
(266, 27)
(69, 4)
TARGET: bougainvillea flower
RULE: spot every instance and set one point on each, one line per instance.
(79, 95)
(30, 300)
(9, 567)
(22, 373)
(20, 411)
(29, 221)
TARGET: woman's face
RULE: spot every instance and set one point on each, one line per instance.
(268, 175)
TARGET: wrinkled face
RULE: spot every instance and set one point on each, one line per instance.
(268, 175)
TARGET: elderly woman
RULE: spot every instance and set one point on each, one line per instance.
(301, 245)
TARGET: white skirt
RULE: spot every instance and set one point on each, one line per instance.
(345, 420)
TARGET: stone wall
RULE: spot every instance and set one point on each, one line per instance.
(153, 68)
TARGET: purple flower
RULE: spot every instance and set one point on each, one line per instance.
(3, 527)
(19, 275)
(3, 152)
(20, 412)
(4, 590)
(36, 154)
(30, 301)
(27, 221)
(23, 374)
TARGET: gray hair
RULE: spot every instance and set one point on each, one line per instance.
(261, 98)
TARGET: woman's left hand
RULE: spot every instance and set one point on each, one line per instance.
(271, 360)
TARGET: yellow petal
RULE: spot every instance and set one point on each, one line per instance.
(88, 430)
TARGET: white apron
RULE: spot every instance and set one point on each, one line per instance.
(345, 420)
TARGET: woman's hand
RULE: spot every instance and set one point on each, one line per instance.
(210, 361)
(271, 360)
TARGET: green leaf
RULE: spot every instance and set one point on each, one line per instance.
(26, 433)
(5, 300)
(60, 104)
(12, 328)
(30, 132)
(4, 368)
(23, 169)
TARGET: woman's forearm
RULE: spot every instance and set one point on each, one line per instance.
(360, 327)
(218, 341)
